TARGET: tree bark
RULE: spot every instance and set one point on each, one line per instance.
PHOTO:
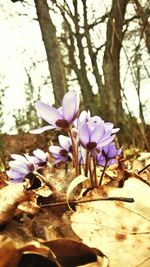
(86, 87)
(111, 60)
(90, 49)
(146, 25)
(52, 48)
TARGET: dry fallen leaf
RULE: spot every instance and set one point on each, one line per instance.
(120, 230)
(71, 253)
(9, 255)
(10, 197)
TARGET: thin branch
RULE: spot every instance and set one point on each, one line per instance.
(123, 199)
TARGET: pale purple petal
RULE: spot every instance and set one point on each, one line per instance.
(119, 151)
(101, 161)
(106, 148)
(115, 130)
(60, 111)
(70, 106)
(55, 149)
(105, 142)
(61, 159)
(19, 158)
(85, 116)
(95, 121)
(112, 151)
(42, 129)
(84, 134)
(35, 161)
(30, 160)
(112, 161)
(64, 142)
(48, 113)
(40, 154)
(109, 125)
(14, 174)
(19, 166)
(97, 134)
(19, 180)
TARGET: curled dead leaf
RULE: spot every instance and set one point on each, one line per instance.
(71, 253)
(75, 182)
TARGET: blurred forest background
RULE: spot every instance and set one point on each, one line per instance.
(98, 47)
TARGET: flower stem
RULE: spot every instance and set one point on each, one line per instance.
(94, 172)
(45, 181)
(75, 152)
(104, 169)
(91, 175)
(86, 164)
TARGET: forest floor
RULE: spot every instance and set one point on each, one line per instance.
(107, 226)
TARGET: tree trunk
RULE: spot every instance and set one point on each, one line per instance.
(52, 48)
(90, 49)
(111, 60)
(145, 23)
(81, 72)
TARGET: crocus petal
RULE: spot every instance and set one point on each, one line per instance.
(70, 106)
(112, 151)
(40, 154)
(48, 113)
(84, 116)
(119, 151)
(97, 134)
(111, 161)
(55, 149)
(60, 111)
(61, 159)
(42, 129)
(20, 180)
(84, 134)
(19, 158)
(115, 130)
(19, 167)
(105, 142)
(64, 142)
(102, 161)
(14, 174)
(35, 161)
(95, 121)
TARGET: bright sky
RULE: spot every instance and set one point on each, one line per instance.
(20, 44)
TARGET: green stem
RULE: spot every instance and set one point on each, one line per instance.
(104, 169)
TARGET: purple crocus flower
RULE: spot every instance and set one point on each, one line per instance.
(108, 155)
(62, 153)
(40, 157)
(20, 167)
(93, 121)
(95, 137)
(59, 118)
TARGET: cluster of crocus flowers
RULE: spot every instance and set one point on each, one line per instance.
(22, 165)
(89, 142)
